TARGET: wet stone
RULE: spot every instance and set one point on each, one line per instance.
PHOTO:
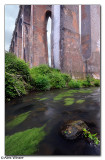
(72, 129)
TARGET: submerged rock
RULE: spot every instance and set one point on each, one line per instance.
(72, 129)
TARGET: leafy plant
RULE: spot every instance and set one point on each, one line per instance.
(56, 80)
(97, 82)
(93, 137)
(41, 82)
(74, 84)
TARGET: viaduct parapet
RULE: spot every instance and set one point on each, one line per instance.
(75, 37)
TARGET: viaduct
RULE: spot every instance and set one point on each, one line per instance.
(75, 37)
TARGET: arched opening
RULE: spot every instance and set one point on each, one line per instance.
(48, 28)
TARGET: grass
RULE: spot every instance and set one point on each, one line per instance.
(24, 143)
(80, 101)
(19, 119)
(68, 101)
(93, 137)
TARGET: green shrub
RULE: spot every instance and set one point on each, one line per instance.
(66, 77)
(74, 84)
(17, 76)
(56, 80)
(16, 66)
(85, 83)
(41, 82)
(40, 70)
(97, 82)
(13, 86)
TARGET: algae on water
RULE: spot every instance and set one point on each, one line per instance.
(69, 101)
(24, 143)
(19, 119)
(85, 91)
(80, 101)
(42, 99)
(62, 95)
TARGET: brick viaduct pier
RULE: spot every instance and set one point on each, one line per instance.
(75, 37)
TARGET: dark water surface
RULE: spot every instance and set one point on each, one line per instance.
(54, 114)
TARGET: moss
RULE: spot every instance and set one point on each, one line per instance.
(68, 101)
(80, 101)
(19, 119)
(24, 143)
(42, 99)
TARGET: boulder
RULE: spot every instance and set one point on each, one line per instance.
(72, 129)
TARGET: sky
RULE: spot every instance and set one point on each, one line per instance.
(11, 13)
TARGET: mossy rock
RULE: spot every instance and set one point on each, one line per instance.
(72, 129)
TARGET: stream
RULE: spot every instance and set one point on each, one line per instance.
(49, 108)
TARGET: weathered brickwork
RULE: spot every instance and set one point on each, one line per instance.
(71, 60)
(90, 39)
(71, 52)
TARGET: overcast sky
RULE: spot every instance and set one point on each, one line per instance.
(11, 12)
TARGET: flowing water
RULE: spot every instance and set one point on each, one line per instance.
(46, 109)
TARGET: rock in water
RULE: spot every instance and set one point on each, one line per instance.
(71, 130)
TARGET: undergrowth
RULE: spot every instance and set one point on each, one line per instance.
(19, 78)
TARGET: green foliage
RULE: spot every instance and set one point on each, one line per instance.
(13, 86)
(97, 82)
(85, 83)
(50, 77)
(17, 76)
(24, 143)
(16, 66)
(74, 84)
(56, 80)
(66, 77)
(41, 82)
(19, 119)
(93, 137)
